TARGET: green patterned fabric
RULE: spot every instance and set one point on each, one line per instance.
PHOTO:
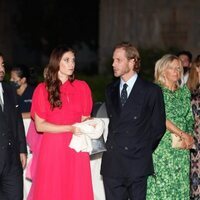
(171, 180)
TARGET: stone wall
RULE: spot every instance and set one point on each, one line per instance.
(148, 24)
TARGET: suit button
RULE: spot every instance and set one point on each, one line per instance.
(127, 131)
(110, 116)
(135, 117)
(111, 147)
(9, 143)
(3, 134)
(126, 148)
(3, 147)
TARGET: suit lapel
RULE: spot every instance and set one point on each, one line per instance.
(115, 97)
(136, 96)
(6, 98)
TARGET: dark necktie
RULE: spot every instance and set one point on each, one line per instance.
(124, 94)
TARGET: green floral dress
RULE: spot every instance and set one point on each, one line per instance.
(171, 180)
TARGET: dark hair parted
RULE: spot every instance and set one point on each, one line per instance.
(131, 53)
(23, 71)
(51, 79)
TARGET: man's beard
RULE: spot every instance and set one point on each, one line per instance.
(2, 74)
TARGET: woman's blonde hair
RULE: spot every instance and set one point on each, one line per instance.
(193, 79)
(162, 64)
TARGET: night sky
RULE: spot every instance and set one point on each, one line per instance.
(41, 25)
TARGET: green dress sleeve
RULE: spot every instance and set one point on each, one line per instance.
(178, 108)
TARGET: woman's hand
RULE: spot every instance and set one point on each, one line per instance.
(76, 130)
(189, 140)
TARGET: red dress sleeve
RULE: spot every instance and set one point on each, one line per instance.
(39, 101)
(87, 99)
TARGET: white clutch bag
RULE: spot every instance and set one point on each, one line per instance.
(177, 142)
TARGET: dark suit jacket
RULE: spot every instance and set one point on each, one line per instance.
(134, 131)
(12, 134)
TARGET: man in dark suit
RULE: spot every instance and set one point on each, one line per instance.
(12, 142)
(137, 124)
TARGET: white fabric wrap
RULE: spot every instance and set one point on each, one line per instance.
(89, 129)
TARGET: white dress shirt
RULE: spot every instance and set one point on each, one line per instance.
(1, 93)
(130, 84)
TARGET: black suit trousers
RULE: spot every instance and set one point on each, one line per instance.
(11, 176)
(125, 188)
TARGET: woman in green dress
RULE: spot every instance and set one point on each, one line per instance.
(171, 165)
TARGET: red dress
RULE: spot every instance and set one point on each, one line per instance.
(62, 173)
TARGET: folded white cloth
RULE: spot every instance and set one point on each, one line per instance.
(89, 129)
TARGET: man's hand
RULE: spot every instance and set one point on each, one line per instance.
(23, 159)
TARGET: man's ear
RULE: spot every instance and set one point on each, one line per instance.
(132, 62)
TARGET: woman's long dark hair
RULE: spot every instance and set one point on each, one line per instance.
(51, 78)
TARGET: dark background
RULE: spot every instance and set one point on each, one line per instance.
(29, 30)
(41, 25)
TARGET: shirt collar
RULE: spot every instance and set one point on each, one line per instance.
(1, 92)
(130, 82)
(1, 88)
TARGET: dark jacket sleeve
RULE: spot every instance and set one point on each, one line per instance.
(20, 128)
(158, 118)
(21, 134)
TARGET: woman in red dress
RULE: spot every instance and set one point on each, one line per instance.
(58, 103)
